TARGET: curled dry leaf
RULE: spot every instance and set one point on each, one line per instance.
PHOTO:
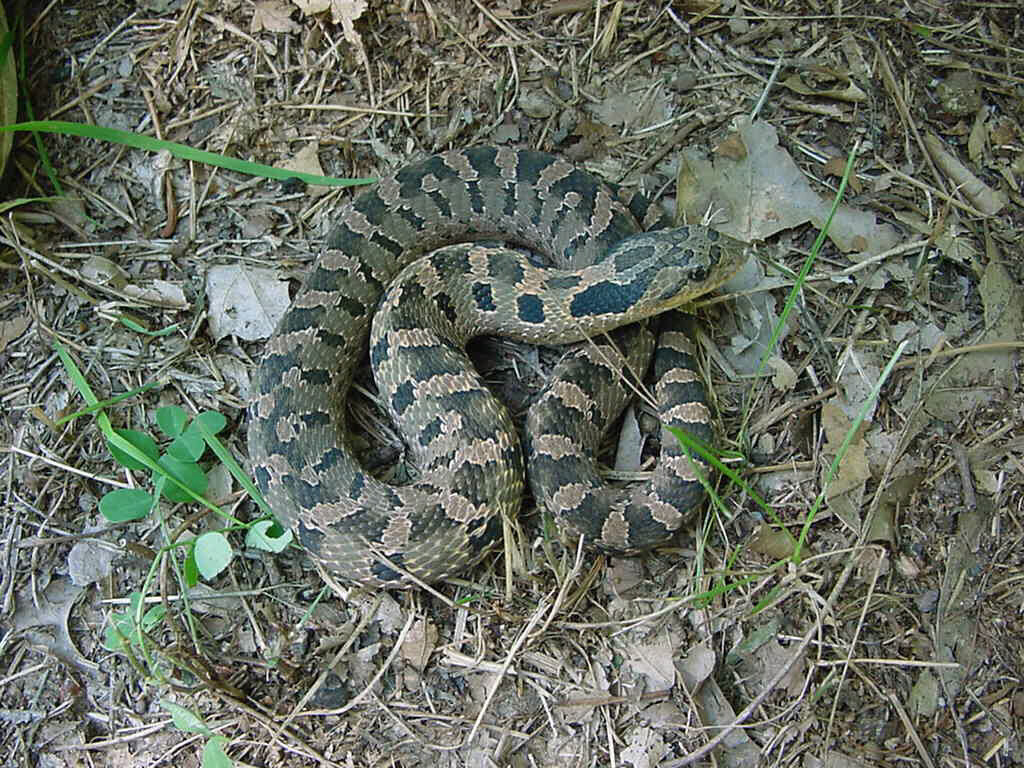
(982, 196)
(839, 87)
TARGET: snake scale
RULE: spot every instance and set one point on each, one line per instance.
(382, 285)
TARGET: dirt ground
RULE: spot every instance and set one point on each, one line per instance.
(855, 600)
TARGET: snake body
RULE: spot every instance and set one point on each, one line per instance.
(462, 446)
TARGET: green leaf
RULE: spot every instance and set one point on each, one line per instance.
(214, 755)
(126, 504)
(143, 442)
(188, 474)
(189, 446)
(213, 553)
(185, 719)
(119, 632)
(191, 569)
(268, 536)
(212, 421)
(171, 420)
(153, 616)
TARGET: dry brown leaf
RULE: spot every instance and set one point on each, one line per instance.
(12, 329)
(836, 167)
(853, 470)
(273, 16)
(419, 644)
(764, 192)
(307, 160)
(771, 542)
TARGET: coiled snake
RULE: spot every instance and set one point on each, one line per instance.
(461, 443)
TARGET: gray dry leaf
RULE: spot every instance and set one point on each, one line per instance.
(843, 89)
(624, 574)
(749, 326)
(51, 611)
(761, 665)
(207, 601)
(858, 376)
(633, 104)
(977, 377)
(952, 240)
(981, 196)
(389, 615)
(924, 696)
(220, 481)
(696, 667)
(629, 450)
(653, 660)
(846, 489)
(246, 302)
(783, 376)
(736, 750)
(853, 469)
(757, 190)
(646, 747)
(90, 561)
(343, 12)
(956, 624)
(99, 270)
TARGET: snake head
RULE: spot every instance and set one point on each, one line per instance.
(677, 265)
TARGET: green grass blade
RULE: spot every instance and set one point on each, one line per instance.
(841, 453)
(183, 151)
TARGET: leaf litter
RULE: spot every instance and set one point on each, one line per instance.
(544, 659)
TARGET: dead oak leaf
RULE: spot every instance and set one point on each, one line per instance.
(273, 16)
(343, 12)
(759, 191)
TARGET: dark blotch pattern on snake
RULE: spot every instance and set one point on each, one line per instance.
(462, 447)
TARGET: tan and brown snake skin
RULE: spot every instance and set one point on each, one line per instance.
(462, 447)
